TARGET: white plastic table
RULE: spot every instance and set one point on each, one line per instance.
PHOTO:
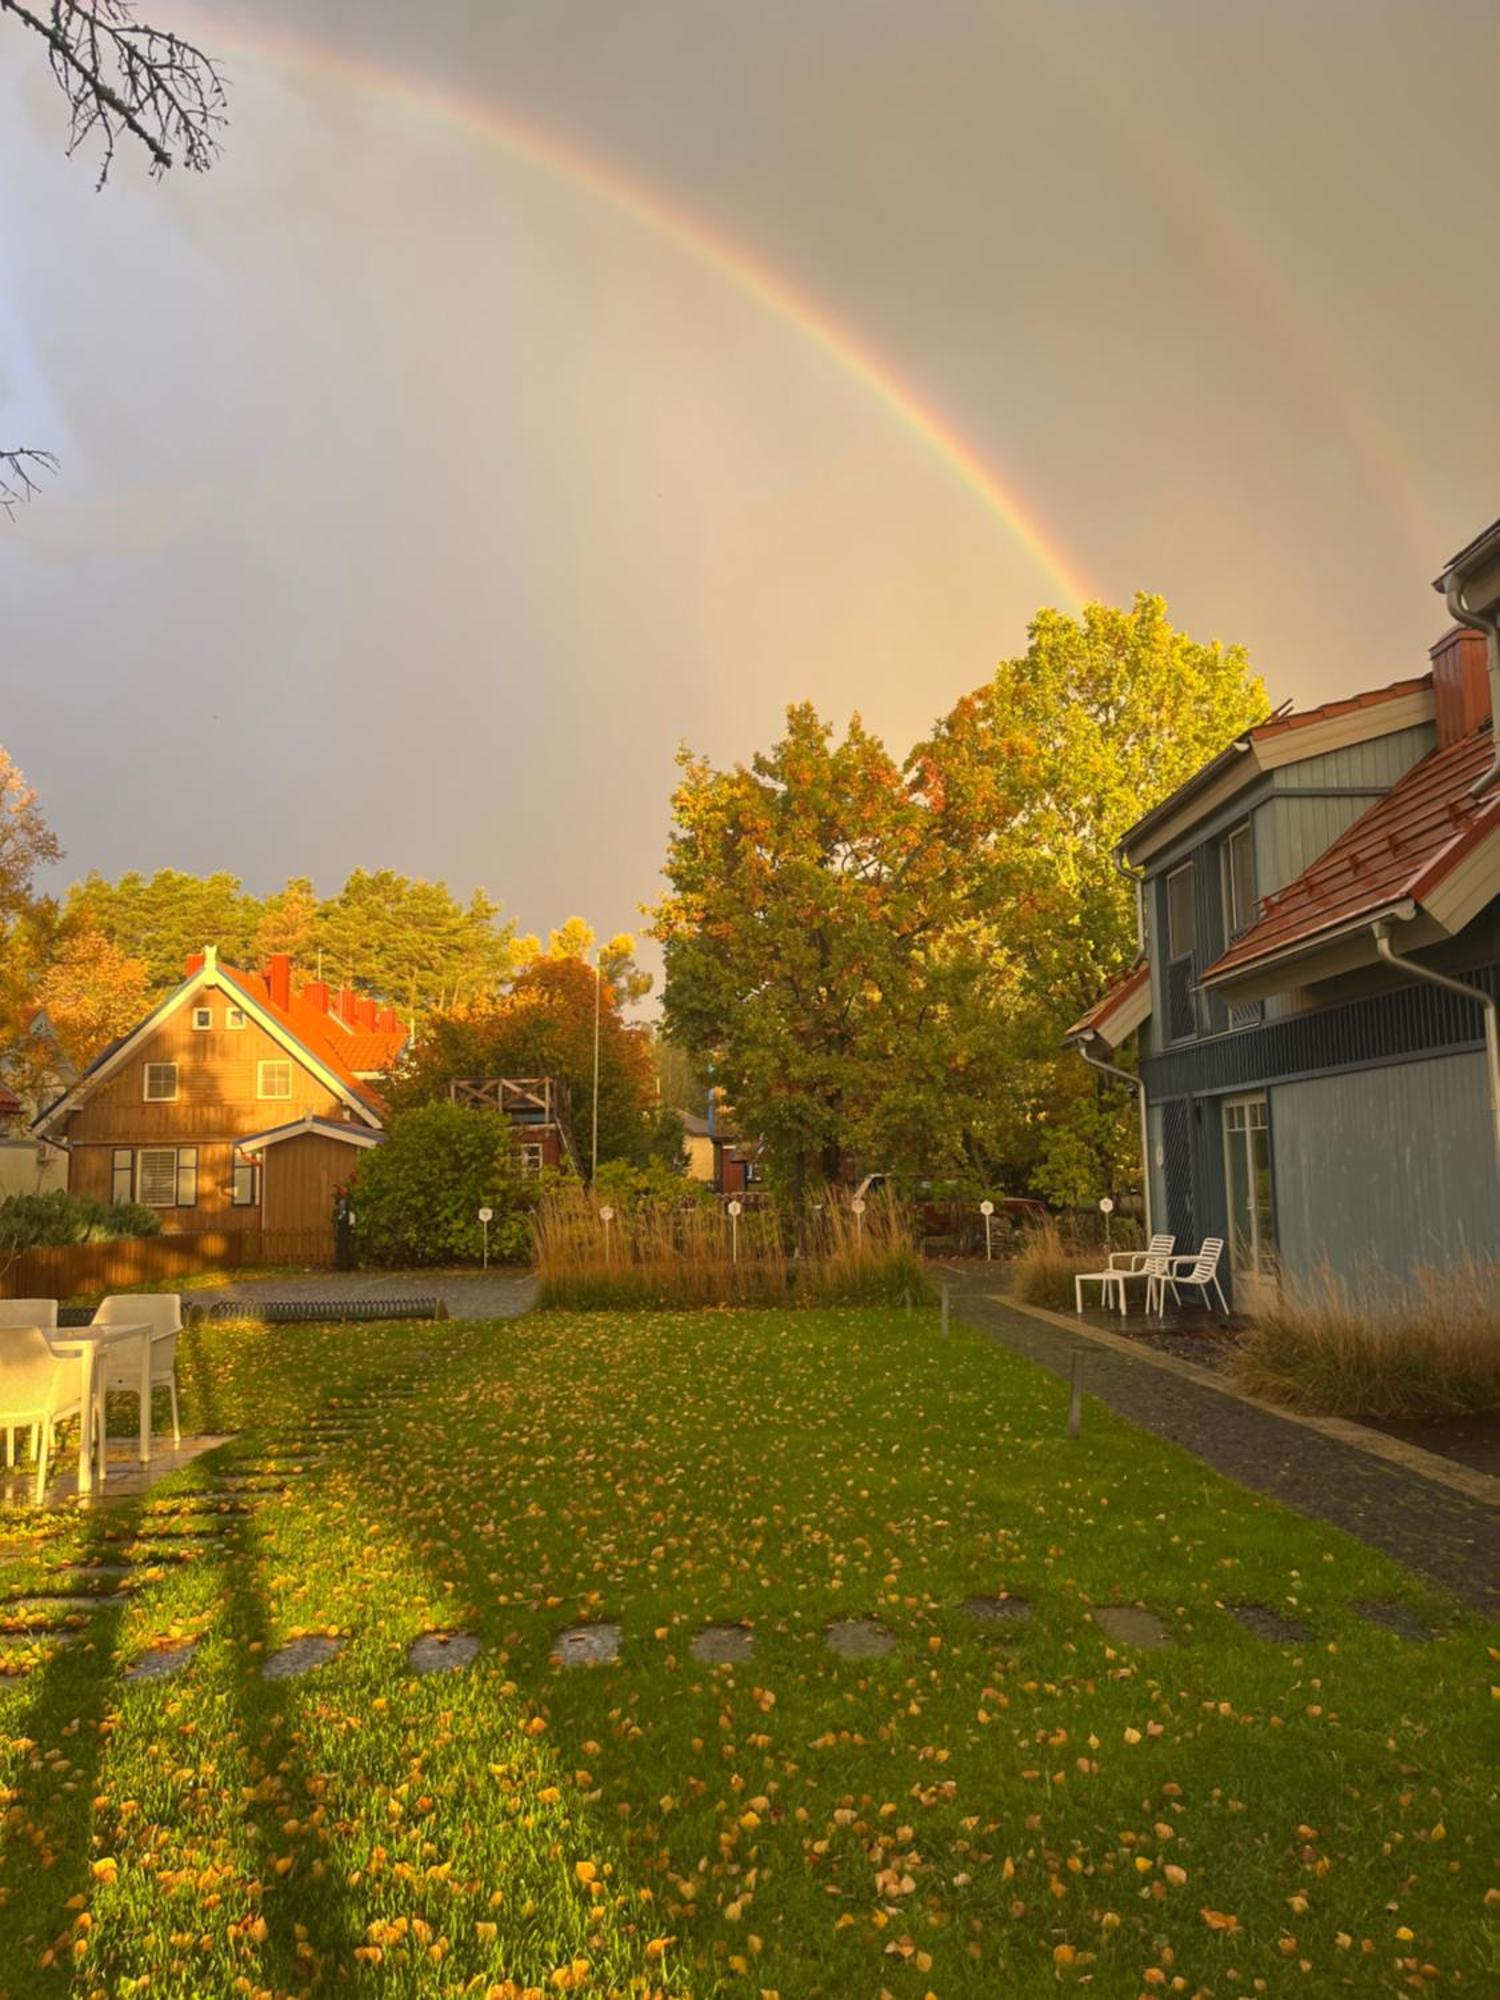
(85, 1343)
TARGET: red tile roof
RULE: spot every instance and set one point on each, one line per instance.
(1279, 724)
(1398, 850)
(1125, 987)
(334, 1046)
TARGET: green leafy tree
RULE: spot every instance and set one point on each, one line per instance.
(162, 919)
(814, 939)
(413, 943)
(417, 1198)
(544, 1026)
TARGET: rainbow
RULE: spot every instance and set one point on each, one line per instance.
(691, 234)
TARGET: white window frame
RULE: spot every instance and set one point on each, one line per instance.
(1236, 921)
(234, 1017)
(1252, 1258)
(203, 1017)
(532, 1155)
(151, 1096)
(273, 1062)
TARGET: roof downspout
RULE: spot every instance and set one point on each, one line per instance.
(1487, 622)
(1382, 935)
(1138, 883)
(1137, 1084)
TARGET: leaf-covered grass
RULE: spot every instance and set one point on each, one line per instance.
(987, 1811)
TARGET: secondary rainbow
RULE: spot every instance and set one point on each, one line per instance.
(697, 239)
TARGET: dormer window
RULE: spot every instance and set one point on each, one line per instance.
(1238, 858)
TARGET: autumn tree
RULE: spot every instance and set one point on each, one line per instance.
(27, 918)
(543, 1025)
(1071, 742)
(92, 992)
(813, 937)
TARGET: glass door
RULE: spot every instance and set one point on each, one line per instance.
(1252, 1199)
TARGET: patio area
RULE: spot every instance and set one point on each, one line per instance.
(127, 1478)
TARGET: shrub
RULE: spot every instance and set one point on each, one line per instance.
(32, 1221)
(1047, 1265)
(681, 1252)
(417, 1198)
(1430, 1348)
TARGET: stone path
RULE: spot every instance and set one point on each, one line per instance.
(1430, 1528)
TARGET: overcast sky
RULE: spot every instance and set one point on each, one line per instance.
(417, 498)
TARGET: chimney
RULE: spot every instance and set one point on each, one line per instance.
(1460, 683)
(315, 994)
(364, 1014)
(279, 978)
(345, 1006)
(196, 961)
(385, 1020)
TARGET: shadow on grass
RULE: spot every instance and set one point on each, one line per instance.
(49, 1829)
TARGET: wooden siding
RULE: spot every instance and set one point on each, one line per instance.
(1374, 765)
(300, 1178)
(217, 1103)
(1388, 1168)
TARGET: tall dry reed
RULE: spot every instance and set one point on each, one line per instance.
(1380, 1348)
(695, 1254)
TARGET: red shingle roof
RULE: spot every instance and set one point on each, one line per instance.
(1398, 850)
(333, 1046)
(1095, 1021)
(1278, 725)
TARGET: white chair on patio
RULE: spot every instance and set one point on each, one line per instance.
(1201, 1270)
(38, 1391)
(120, 1366)
(23, 1312)
(1125, 1267)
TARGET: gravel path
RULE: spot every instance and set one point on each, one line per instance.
(1445, 1535)
(467, 1294)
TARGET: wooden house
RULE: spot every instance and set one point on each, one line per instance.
(236, 1104)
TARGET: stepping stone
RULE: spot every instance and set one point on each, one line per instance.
(441, 1652)
(301, 1656)
(720, 1645)
(1263, 1623)
(860, 1639)
(1130, 1625)
(1397, 1618)
(997, 1610)
(588, 1646)
(162, 1663)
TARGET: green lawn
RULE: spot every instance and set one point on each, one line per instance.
(984, 1812)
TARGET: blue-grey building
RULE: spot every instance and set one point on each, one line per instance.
(1315, 1010)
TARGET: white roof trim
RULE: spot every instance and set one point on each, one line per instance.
(208, 975)
(309, 1127)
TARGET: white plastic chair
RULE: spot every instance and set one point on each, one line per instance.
(120, 1366)
(1201, 1270)
(24, 1312)
(1123, 1267)
(38, 1390)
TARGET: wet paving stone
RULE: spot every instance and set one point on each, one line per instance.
(1131, 1625)
(1261, 1622)
(996, 1610)
(722, 1645)
(161, 1662)
(859, 1639)
(301, 1656)
(1397, 1618)
(588, 1646)
(442, 1652)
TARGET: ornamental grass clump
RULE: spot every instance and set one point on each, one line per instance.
(691, 1252)
(1043, 1272)
(1428, 1348)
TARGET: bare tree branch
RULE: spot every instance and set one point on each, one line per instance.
(125, 79)
(18, 470)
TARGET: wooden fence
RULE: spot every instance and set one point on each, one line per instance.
(70, 1270)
